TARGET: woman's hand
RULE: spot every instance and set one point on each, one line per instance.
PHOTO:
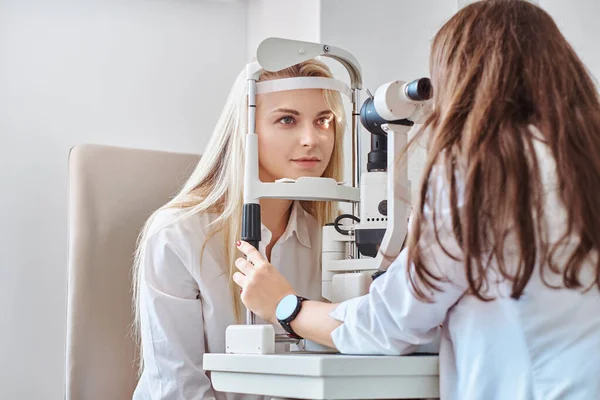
(262, 285)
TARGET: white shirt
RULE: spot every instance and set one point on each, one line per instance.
(186, 304)
(544, 346)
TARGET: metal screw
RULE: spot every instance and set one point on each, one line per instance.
(326, 49)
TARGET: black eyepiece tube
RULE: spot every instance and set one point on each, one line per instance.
(251, 224)
(419, 89)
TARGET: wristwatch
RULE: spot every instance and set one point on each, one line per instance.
(287, 310)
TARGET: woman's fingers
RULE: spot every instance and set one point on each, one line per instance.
(251, 253)
(244, 266)
(240, 279)
(263, 286)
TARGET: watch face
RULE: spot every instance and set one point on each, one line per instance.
(286, 307)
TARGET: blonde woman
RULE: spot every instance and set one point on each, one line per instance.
(184, 293)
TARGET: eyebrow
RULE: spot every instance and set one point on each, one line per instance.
(295, 112)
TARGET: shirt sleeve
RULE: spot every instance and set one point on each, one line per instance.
(390, 319)
(172, 328)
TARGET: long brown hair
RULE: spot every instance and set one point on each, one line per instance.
(497, 67)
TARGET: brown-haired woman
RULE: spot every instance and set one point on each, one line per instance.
(503, 250)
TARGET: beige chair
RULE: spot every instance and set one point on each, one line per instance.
(112, 191)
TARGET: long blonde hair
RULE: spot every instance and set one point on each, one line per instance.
(216, 184)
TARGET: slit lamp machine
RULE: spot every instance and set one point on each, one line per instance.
(353, 254)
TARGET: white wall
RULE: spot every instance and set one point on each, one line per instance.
(391, 40)
(147, 74)
(289, 19)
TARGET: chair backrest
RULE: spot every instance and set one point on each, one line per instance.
(112, 191)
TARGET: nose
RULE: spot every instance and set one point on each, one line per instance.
(309, 137)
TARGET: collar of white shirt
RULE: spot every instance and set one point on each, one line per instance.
(297, 225)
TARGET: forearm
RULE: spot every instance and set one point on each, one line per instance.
(314, 323)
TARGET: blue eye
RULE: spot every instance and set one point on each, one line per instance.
(325, 122)
(287, 120)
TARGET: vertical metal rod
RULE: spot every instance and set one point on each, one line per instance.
(251, 106)
(356, 159)
(250, 317)
(356, 129)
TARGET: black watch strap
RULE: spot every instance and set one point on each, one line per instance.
(286, 323)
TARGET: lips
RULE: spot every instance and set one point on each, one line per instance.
(307, 159)
(307, 162)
